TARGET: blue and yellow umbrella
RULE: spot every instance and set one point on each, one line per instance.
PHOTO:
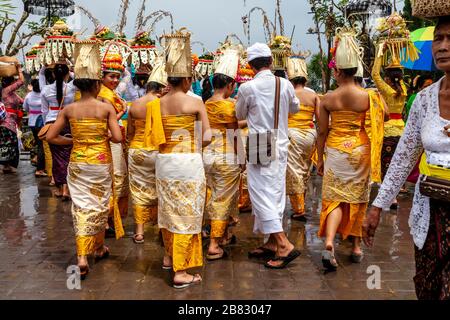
(422, 39)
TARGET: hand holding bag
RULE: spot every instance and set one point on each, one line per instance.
(261, 147)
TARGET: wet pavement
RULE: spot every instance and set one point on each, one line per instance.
(37, 245)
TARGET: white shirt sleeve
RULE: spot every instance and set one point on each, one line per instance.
(405, 158)
(241, 104)
(294, 102)
(42, 80)
(44, 103)
(26, 105)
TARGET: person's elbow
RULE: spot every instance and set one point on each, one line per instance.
(51, 139)
(117, 138)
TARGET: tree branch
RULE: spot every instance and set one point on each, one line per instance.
(16, 29)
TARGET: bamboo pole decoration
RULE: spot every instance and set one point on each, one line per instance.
(123, 15)
(91, 17)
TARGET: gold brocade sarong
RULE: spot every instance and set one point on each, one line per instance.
(118, 150)
(302, 136)
(141, 166)
(121, 184)
(90, 183)
(181, 189)
(244, 195)
(48, 158)
(346, 173)
(222, 170)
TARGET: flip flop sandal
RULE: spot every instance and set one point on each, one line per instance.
(232, 240)
(105, 255)
(40, 175)
(356, 258)
(66, 198)
(167, 267)
(84, 272)
(300, 218)
(216, 256)
(266, 253)
(138, 241)
(329, 260)
(294, 254)
(233, 222)
(185, 285)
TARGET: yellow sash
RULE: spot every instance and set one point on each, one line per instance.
(154, 130)
(433, 170)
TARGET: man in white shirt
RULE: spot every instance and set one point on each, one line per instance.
(256, 103)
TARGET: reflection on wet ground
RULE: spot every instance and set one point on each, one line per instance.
(37, 245)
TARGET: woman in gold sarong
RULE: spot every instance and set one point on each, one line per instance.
(302, 136)
(90, 168)
(180, 176)
(395, 93)
(349, 153)
(112, 71)
(221, 165)
(142, 157)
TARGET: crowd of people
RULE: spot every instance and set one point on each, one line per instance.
(190, 165)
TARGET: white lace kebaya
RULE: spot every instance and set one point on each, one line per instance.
(424, 132)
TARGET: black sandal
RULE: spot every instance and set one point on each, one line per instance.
(300, 218)
(266, 253)
(84, 270)
(105, 255)
(216, 256)
(230, 241)
(294, 254)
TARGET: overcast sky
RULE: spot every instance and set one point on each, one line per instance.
(209, 21)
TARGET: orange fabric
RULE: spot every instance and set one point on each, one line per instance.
(298, 203)
(87, 245)
(352, 218)
(145, 214)
(218, 228)
(302, 119)
(112, 97)
(185, 249)
(220, 114)
(179, 133)
(347, 131)
(153, 135)
(90, 143)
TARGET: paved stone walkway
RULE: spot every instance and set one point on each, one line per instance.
(37, 245)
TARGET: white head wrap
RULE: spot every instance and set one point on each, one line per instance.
(258, 50)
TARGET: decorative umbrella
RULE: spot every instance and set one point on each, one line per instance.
(423, 39)
(368, 6)
(60, 8)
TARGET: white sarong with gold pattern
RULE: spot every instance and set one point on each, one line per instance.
(141, 169)
(302, 137)
(90, 183)
(221, 167)
(181, 188)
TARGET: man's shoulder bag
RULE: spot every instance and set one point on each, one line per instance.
(261, 147)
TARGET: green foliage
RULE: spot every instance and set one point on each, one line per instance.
(413, 22)
(6, 9)
(315, 72)
(41, 27)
